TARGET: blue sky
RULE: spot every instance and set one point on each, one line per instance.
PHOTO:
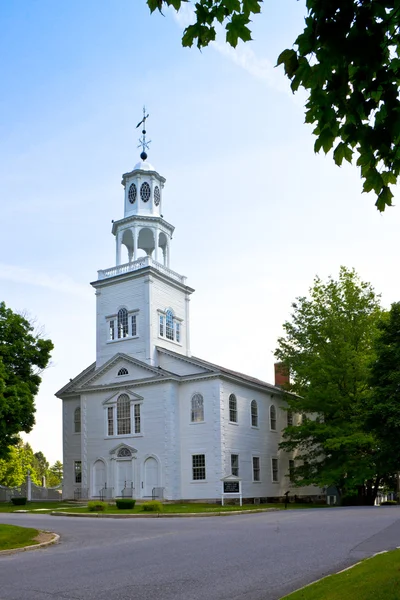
(257, 214)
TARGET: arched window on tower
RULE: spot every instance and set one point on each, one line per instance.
(77, 420)
(169, 325)
(272, 417)
(123, 415)
(254, 414)
(197, 408)
(122, 323)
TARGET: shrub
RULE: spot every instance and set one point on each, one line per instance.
(19, 501)
(389, 503)
(97, 506)
(152, 506)
(124, 503)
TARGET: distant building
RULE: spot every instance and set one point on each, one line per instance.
(147, 418)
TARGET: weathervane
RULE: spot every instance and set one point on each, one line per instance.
(142, 140)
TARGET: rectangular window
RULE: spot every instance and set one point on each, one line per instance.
(256, 468)
(123, 415)
(199, 466)
(161, 325)
(78, 471)
(112, 331)
(134, 325)
(275, 474)
(291, 471)
(110, 421)
(137, 418)
(235, 464)
(178, 332)
(289, 418)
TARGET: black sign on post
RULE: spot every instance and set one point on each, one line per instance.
(231, 487)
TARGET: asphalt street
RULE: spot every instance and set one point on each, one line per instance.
(248, 557)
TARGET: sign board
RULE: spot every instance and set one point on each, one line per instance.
(231, 487)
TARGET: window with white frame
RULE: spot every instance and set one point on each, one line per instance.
(123, 415)
(235, 464)
(233, 417)
(170, 326)
(272, 417)
(274, 470)
(256, 468)
(122, 325)
(110, 420)
(291, 470)
(197, 409)
(198, 467)
(254, 414)
(78, 471)
(77, 420)
(289, 415)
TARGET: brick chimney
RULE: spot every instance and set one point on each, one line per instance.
(282, 376)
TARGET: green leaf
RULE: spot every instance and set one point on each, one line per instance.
(342, 151)
(384, 199)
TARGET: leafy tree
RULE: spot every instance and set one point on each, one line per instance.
(14, 468)
(383, 405)
(348, 59)
(328, 347)
(23, 355)
(41, 464)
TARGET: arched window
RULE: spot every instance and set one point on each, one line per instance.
(122, 323)
(123, 371)
(232, 408)
(123, 415)
(77, 420)
(124, 453)
(254, 414)
(169, 325)
(272, 417)
(197, 412)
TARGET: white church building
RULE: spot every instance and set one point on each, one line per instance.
(147, 418)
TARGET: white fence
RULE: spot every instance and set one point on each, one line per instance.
(31, 491)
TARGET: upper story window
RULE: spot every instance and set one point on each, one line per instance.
(123, 415)
(122, 323)
(197, 408)
(233, 409)
(123, 371)
(169, 326)
(272, 417)
(254, 414)
(77, 420)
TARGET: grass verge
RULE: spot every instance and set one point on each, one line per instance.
(12, 537)
(376, 578)
(193, 508)
(6, 507)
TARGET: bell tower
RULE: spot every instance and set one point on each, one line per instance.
(141, 302)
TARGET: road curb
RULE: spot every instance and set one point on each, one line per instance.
(54, 540)
(163, 515)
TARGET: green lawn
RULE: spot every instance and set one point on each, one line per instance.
(376, 578)
(194, 508)
(16, 537)
(9, 507)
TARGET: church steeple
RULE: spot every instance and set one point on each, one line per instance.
(143, 226)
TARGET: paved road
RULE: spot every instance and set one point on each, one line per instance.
(247, 557)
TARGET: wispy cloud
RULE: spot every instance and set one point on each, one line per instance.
(243, 55)
(59, 283)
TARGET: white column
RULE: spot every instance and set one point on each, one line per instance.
(155, 231)
(167, 252)
(118, 249)
(187, 331)
(135, 243)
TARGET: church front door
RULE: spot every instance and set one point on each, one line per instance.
(151, 476)
(124, 477)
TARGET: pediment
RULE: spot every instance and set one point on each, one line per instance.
(114, 397)
(120, 446)
(122, 369)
